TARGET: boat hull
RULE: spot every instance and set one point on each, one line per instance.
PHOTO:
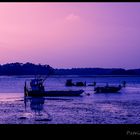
(53, 93)
(107, 89)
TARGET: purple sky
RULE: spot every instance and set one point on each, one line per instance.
(66, 35)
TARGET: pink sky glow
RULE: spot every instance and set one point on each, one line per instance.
(66, 35)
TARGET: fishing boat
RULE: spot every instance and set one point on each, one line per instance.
(108, 89)
(37, 89)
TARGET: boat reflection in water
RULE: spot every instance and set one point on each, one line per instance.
(37, 106)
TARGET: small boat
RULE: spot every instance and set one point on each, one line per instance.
(69, 83)
(77, 84)
(37, 89)
(107, 89)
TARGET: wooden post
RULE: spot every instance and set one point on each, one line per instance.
(25, 89)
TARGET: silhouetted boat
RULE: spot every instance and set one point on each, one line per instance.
(69, 83)
(107, 89)
(37, 89)
(78, 84)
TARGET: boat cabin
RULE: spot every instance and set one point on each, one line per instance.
(37, 85)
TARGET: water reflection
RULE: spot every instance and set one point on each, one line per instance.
(36, 105)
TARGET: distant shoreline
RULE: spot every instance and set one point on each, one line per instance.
(17, 68)
(69, 76)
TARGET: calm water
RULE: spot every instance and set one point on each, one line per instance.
(110, 108)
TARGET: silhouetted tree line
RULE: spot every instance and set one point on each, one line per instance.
(25, 69)
(34, 69)
(97, 71)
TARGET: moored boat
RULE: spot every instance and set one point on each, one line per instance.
(37, 89)
(77, 84)
(107, 89)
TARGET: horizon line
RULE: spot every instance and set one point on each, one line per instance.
(70, 67)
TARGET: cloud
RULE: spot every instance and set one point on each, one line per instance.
(72, 17)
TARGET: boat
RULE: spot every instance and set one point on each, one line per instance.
(69, 83)
(77, 84)
(108, 89)
(37, 89)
